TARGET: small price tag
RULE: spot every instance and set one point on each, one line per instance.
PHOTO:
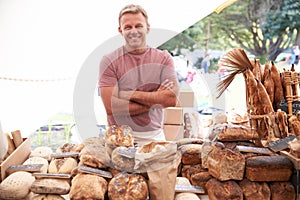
(46, 175)
(95, 171)
(128, 152)
(260, 150)
(65, 155)
(28, 168)
(189, 188)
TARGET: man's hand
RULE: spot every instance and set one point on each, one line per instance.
(166, 85)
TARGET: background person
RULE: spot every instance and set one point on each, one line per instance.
(137, 81)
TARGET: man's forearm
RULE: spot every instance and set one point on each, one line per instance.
(122, 106)
(164, 98)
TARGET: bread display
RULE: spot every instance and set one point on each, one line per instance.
(268, 168)
(128, 186)
(87, 186)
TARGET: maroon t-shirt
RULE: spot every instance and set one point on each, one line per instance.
(142, 72)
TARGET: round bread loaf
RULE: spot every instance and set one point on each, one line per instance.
(121, 162)
(68, 147)
(117, 136)
(128, 186)
(62, 165)
(43, 152)
(38, 160)
(16, 186)
(88, 186)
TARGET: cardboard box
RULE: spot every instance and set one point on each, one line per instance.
(173, 116)
(173, 132)
(186, 99)
(17, 157)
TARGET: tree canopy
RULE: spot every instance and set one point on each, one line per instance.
(262, 28)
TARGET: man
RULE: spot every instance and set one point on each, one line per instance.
(137, 81)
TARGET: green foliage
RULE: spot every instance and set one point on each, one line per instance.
(262, 28)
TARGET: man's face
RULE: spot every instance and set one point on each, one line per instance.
(134, 28)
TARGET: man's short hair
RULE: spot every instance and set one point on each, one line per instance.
(134, 9)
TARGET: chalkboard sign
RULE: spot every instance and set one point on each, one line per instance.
(284, 106)
(281, 144)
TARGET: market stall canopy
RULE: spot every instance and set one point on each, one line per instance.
(44, 44)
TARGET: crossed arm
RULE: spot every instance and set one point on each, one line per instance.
(135, 102)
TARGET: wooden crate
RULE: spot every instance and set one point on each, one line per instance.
(17, 157)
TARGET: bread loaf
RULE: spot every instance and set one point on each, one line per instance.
(62, 165)
(226, 132)
(43, 152)
(191, 154)
(117, 136)
(68, 147)
(200, 179)
(255, 190)
(122, 162)
(226, 164)
(225, 190)
(94, 154)
(268, 168)
(128, 186)
(50, 186)
(16, 185)
(282, 190)
(87, 186)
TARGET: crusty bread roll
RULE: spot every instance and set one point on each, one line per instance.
(282, 190)
(62, 165)
(117, 136)
(128, 186)
(43, 152)
(255, 190)
(38, 160)
(224, 190)
(16, 186)
(121, 162)
(50, 186)
(94, 153)
(68, 147)
(88, 186)
(191, 154)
